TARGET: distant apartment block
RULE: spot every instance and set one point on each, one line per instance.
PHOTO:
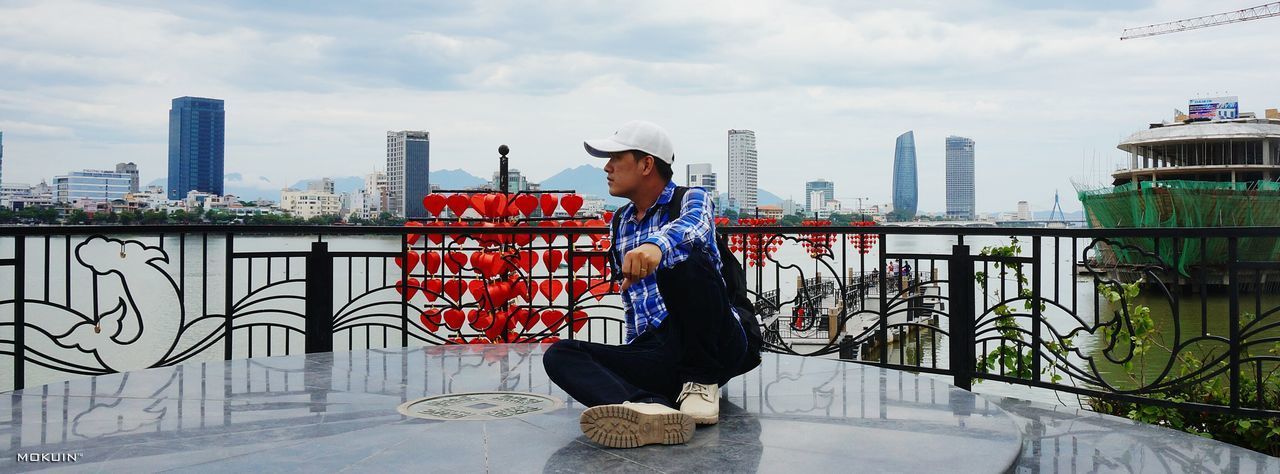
(307, 203)
(742, 170)
(90, 186)
(817, 193)
(700, 175)
(197, 137)
(130, 169)
(408, 161)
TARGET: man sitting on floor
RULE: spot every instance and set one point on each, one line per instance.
(684, 339)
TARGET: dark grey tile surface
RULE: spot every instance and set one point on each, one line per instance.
(337, 412)
(1065, 439)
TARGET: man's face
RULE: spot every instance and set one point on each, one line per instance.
(625, 172)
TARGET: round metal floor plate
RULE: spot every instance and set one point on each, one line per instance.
(480, 406)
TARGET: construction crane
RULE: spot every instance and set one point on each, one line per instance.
(1260, 11)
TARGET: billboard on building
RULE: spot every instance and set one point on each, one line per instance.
(1215, 108)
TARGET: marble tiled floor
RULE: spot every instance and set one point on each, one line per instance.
(337, 411)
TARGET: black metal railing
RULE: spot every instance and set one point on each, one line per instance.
(1056, 312)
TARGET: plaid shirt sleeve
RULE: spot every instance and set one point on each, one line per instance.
(692, 228)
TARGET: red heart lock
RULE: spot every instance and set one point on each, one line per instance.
(526, 259)
(552, 319)
(524, 238)
(499, 293)
(576, 262)
(476, 287)
(434, 203)
(579, 320)
(601, 263)
(454, 289)
(608, 217)
(453, 318)
(413, 238)
(551, 289)
(548, 203)
(524, 317)
(458, 204)
(497, 326)
(412, 287)
(496, 205)
(524, 290)
(410, 259)
(482, 321)
(459, 239)
(571, 203)
(434, 238)
(525, 203)
(477, 202)
(454, 261)
(551, 259)
(577, 288)
(432, 288)
(600, 287)
(431, 262)
(548, 238)
(431, 319)
(478, 262)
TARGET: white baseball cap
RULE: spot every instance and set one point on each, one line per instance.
(635, 135)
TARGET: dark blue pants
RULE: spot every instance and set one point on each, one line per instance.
(699, 341)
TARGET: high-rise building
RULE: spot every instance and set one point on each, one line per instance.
(700, 175)
(1, 158)
(408, 158)
(90, 185)
(906, 193)
(826, 192)
(742, 170)
(196, 146)
(960, 190)
(131, 170)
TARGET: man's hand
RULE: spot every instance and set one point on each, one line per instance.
(640, 262)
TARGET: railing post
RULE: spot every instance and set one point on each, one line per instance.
(20, 310)
(319, 325)
(961, 286)
(1233, 318)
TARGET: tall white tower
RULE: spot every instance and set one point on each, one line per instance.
(742, 170)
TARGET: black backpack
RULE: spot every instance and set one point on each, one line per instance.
(735, 280)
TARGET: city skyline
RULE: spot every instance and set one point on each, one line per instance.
(311, 88)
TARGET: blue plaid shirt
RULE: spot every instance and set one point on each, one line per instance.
(694, 229)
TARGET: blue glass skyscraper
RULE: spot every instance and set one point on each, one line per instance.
(906, 191)
(196, 135)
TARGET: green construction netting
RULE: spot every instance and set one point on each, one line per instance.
(1187, 204)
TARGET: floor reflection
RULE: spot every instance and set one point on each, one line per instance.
(792, 413)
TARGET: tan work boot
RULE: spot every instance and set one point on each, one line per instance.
(630, 425)
(700, 401)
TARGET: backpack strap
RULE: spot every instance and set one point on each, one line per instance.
(676, 203)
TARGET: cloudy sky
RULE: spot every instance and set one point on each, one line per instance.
(312, 87)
